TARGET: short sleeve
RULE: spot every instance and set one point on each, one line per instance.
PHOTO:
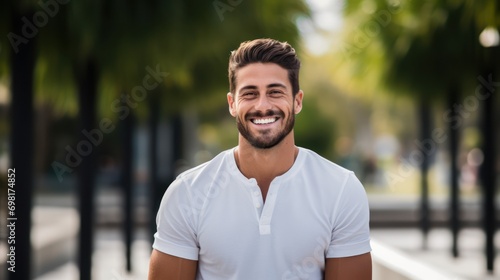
(351, 230)
(176, 233)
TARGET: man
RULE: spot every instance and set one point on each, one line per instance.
(265, 209)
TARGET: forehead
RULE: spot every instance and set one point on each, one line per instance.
(261, 75)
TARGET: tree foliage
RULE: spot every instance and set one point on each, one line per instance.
(417, 47)
(190, 40)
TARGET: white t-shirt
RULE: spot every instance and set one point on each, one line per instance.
(214, 214)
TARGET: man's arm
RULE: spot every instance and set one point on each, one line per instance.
(355, 267)
(167, 267)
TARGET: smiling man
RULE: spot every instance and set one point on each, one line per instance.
(265, 209)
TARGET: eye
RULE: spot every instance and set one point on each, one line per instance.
(249, 94)
(275, 92)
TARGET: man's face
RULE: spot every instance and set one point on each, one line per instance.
(263, 104)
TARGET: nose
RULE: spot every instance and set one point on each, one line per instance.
(263, 103)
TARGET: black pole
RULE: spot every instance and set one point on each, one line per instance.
(87, 85)
(22, 151)
(488, 178)
(425, 123)
(155, 196)
(454, 175)
(489, 89)
(127, 184)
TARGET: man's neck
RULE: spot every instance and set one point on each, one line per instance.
(265, 164)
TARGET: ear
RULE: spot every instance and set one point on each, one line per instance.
(230, 102)
(298, 101)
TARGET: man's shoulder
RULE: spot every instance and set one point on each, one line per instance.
(323, 173)
(313, 160)
(194, 185)
(220, 163)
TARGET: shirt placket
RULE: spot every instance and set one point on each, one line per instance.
(268, 209)
(263, 211)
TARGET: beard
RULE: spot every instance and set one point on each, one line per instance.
(264, 139)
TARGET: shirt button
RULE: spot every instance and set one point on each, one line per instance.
(257, 205)
(256, 193)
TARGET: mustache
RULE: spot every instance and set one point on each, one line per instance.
(268, 113)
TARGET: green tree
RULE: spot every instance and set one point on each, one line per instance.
(91, 51)
(429, 50)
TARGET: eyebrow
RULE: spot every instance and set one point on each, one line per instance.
(268, 86)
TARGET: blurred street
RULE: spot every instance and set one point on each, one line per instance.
(469, 265)
(109, 250)
(108, 260)
(109, 263)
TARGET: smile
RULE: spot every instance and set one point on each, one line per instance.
(264, 120)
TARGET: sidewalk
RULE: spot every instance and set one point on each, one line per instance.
(109, 262)
(471, 263)
(109, 250)
(109, 259)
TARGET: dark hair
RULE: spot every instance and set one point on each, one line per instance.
(265, 51)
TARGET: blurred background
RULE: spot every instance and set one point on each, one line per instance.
(103, 103)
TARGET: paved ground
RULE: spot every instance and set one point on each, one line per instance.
(109, 259)
(109, 262)
(471, 263)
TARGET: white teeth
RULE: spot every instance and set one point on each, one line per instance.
(264, 121)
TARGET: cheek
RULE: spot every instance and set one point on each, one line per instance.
(240, 108)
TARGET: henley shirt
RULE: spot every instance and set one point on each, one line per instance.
(214, 214)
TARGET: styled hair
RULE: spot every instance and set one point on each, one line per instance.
(265, 51)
